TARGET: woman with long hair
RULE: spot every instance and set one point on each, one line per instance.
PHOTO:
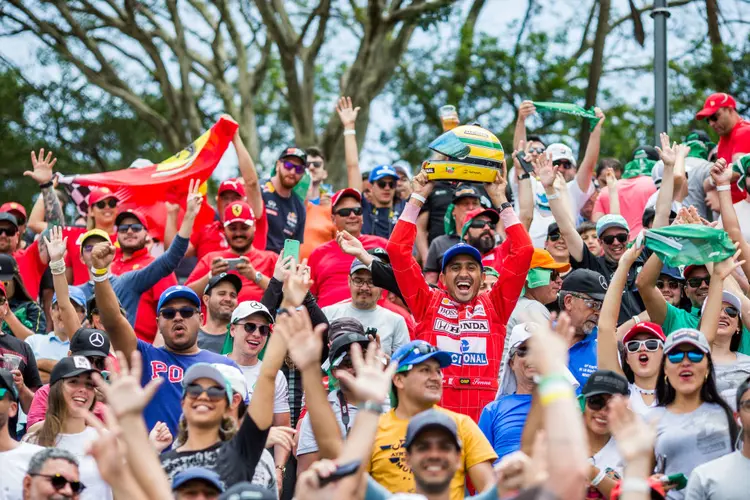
(71, 396)
(643, 343)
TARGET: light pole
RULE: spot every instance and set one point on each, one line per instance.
(661, 98)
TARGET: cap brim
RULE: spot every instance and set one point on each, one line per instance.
(231, 278)
(247, 222)
(596, 296)
(431, 427)
(6, 277)
(706, 112)
(442, 357)
(92, 352)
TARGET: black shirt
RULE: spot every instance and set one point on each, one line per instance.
(285, 216)
(11, 345)
(380, 221)
(234, 460)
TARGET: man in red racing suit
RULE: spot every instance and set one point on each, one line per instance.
(459, 320)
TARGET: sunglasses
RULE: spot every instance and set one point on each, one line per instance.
(97, 362)
(298, 169)
(123, 228)
(263, 330)
(58, 482)
(346, 212)
(714, 117)
(521, 351)
(566, 165)
(537, 150)
(111, 203)
(314, 164)
(652, 345)
(214, 393)
(696, 282)
(386, 184)
(679, 356)
(554, 276)
(8, 231)
(554, 236)
(731, 311)
(610, 238)
(590, 303)
(597, 402)
(171, 312)
(672, 284)
(479, 224)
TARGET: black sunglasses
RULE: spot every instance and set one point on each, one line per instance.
(610, 238)
(346, 212)
(386, 184)
(521, 351)
(598, 402)
(714, 117)
(214, 393)
(672, 284)
(315, 164)
(731, 311)
(696, 282)
(111, 203)
(479, 224)
(171, 312)
(58, 482)
(264, 330)
(9, 231)
(536, 150)
(554, 236)
(123, 228)
(565, 164)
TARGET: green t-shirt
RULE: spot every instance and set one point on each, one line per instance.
(677, 318)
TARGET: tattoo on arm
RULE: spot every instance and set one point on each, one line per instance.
(52, 207)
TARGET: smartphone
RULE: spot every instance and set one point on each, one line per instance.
(291, 248)
(341, 471)
(679, 480)
(232, 263)
(525, 165)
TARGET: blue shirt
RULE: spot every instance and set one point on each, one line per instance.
(502, 422)
(48, 346)
(582, 359)
(159, 362)
(130, 286)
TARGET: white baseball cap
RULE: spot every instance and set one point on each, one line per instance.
(236, 379)
(248, 308)
(559, 151)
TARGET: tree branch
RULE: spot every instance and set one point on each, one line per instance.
(415, 10)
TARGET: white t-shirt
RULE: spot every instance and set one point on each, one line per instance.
(637, 404)
(14, 464)
(281, 396)
(391, 326)
(96, 487)
(609, 458)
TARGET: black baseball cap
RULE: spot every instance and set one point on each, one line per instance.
(231, 278)
(9, 217)
(340, 347)
(586, 281)
(295, 152)
(69, 367)
(605, 382)
(466, 191)
(381, 254)
(6, 381)
(90, 342)
(340, 326)
(8, 266)
(553, 229)
(431, 419)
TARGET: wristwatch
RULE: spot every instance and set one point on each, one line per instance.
(523, 176)
(504, 206)
(258, 276)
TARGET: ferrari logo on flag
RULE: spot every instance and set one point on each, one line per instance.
(182, 160)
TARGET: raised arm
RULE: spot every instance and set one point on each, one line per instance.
(606, 346)
(249, 174)
(614, 196)
(652, 297)
(423, 247)
(586, 169)
(547, 174)
(710, 317)
(525, 191)
(525, 110)
(721, 173)
(42, 173)
(348, 115)
(56, 247)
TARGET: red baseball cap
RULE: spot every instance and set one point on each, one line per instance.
(12, 206)
(645, 327)
(692, 267)
(345, 192)
(713, 103)
(131, 213)
(238, 211)
(233, 185)
(100, 194)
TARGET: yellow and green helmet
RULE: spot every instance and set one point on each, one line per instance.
(470, 144)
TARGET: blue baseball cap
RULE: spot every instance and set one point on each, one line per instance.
(197, 473)
(419, 351)
(178, 292)
(76, 296)
(381, 171)
(611, 220)
(672, 272)
(461, 249)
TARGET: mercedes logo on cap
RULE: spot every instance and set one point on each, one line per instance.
(96, 339)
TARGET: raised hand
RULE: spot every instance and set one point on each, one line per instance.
(347, 113)
(304, 344)
(631, 255)
(496, 189)
(634, 437)
(102, 255)
(546, 171)
(56, 245)
(42, 167)
(297, 284)
(667, 153)
(421, 184)
(282, 267)
(194, 199)
(124, 393)
(372, 383)
(173, 209)
(610, 177)
(526, 109)
(548, 350)
(600, 114)
(282, 436)
(724, 268)
(721, 173)
(160, 437)
(512, 473)
(349, 244)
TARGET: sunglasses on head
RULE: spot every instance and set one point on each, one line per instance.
(58, 482)
(565, 164)
(554, 236)
(480, 223)
(315, 164)
(610, 238)
(214, 393)
(298, 169)
(346, 212)
(598, 402)
(386, 184)
(672, 284)
(123, 228)
(111, 203)
(171, 312)
(263, 330)
(651, 345)
(678, 356)
(696, 282)
(9, 231)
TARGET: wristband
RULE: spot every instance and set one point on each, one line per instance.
(724, 187)
(634, 485)
(100, 279)
(551, 197)
(350, 132)
(548, 399)
(372, 406)
(99, 272)
(46, 185)
(636, 319)
(419, 197)
(57, 267)
(524, 176)
(551, 378)
(599, 478)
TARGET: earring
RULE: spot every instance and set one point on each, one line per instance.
(706, 378)
(666, 380)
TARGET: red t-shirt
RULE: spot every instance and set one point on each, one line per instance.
(145, 319)
(261, 260)
(210, 238)
(738, 141)
(31, 268)
(329, 267)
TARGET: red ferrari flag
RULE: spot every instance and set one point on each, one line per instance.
(148, 188)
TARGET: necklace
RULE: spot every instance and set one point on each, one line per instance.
(644, 391)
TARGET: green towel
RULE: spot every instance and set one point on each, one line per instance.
(569, 109)
(689, 244)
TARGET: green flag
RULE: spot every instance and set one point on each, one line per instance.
(569, 109)
(641, 164)
(741, 166)
(689, 244)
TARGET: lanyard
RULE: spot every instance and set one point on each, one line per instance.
(344, 411)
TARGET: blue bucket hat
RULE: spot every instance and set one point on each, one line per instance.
(418, 351)
(461, 249)
(178, 292)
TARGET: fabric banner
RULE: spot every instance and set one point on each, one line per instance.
(688, 244)
(569, 109)
(148, 188)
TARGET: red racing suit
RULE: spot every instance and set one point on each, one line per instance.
(474, 333)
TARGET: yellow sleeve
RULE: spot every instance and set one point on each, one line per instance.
(475, 446)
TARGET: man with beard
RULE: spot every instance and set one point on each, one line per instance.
(220, 299)
(581, 297)
(363, 306)
(285, 211)
(133, 254)
(254, 267)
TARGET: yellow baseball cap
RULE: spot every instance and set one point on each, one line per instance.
(89, 234)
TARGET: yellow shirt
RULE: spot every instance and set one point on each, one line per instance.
(388, 462)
